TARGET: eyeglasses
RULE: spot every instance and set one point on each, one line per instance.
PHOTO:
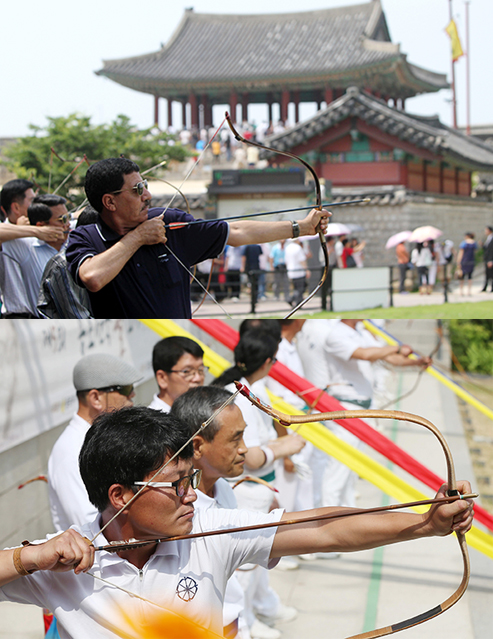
(180, 485)
(65, 218)
(138, 188)
(126, 390)
(189, 373)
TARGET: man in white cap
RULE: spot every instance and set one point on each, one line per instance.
(103, 383)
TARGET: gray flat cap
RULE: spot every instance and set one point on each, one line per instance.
(101, 370)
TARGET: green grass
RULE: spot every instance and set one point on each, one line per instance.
(464, 310)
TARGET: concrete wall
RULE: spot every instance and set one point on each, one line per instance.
(453, 217)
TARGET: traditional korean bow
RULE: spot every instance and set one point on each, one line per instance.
(318, 192)
(288, 420)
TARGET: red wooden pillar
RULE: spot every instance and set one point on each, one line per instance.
(425, 175)
(284, 105)
(441, 177)
(270, 100)
(233, 102)
(184, 114)
(328, 95)
(170, 113)
(156, 110)
(244, 107)
(207, 110)
(296, 100)
(194, 108)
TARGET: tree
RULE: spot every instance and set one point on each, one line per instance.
(472, 343)
(74, 136)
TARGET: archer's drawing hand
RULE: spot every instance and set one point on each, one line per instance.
(455, 517)
(152, 231)
(309, 226)
(68, 551)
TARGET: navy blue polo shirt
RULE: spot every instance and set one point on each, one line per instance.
(152, 284)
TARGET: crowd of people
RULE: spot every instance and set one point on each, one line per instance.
(435, 260)
(195, 461)
(223, 146)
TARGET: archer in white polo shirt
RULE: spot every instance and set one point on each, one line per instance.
(188, 577)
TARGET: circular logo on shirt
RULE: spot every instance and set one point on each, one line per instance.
(187, 588)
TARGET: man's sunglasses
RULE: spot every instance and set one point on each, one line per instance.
(138, 188)
(180, 485)
(126, 390)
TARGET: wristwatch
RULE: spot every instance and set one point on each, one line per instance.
(296, 228)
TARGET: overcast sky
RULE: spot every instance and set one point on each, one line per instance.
(50, 51)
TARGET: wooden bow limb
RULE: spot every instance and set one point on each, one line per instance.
(288, 420)
(318, 192)
(118, 546)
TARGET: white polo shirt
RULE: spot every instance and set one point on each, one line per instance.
(69, 503)
(188, 577)
(287, 354)
(158, 404)
(234, 598)
(311, 349)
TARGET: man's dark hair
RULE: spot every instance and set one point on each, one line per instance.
(40, 209)
(107, 176)
(38, 213)
(88, 216)
(490, 229)
(168, 351)
(124, 446)
(14, 191)
(196, 406)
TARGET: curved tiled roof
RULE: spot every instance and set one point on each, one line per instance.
(228, 49)
(423, 132)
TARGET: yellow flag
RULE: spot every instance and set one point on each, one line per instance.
(451, 29)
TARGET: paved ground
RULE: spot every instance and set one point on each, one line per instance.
(342, 597)
(339, 598)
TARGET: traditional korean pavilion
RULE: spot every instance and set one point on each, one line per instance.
(285, 58)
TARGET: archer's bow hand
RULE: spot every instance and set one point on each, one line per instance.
(316, 217)
(68, 551)
(455, 517)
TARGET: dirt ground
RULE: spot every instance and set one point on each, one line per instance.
(479, 433)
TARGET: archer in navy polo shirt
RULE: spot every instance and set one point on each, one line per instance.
(152, 284)
(127, 260)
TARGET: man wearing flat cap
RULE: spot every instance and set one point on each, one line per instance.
(103, 383)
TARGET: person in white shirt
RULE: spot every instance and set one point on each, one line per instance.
(294, 479)
(30, 254)
(346, 372)
(297, 269)
(103, 383)
(178, 365)
(254, 356)
(218, 451)
(92, 593)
